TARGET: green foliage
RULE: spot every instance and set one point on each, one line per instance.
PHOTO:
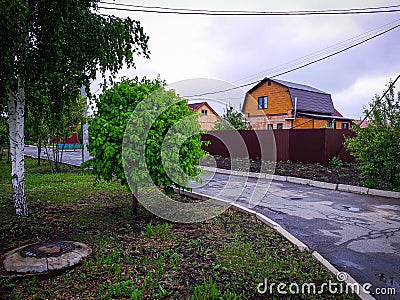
(232, 119)
(335, 162)
(209, 291)
(49, 49)
(377, 147)
(109, 128)
(122, 289)
(55, 46)
(43, 121)
(159, 229)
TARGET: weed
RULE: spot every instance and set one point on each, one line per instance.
(120, 289)
(335, 163)
(209, 290)
(159, 229)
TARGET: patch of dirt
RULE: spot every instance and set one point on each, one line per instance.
(346, 174)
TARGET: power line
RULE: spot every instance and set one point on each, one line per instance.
(321, 52)
(300, 67)
(188, 11)
(391, 85)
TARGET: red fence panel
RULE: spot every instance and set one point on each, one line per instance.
(302, 145)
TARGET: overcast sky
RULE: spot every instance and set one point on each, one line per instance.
(242, 49)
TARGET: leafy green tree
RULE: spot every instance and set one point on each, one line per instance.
(42, 124)
(55, 47)
(107, 132)
(377, 147)
(231, 119)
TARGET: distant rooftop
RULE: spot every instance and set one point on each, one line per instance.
(196, 106)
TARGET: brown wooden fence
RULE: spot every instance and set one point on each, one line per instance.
(305, 145)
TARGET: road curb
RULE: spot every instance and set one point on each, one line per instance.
(264, 219)
(350, 281)
(288, 236)
(308, 182)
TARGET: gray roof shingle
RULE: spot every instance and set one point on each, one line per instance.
(308, 101)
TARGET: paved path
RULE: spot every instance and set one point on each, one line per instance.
(72, 157)
(359, 234)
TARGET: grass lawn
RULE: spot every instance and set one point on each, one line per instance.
(144, 257)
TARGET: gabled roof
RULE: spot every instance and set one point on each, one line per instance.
(309, 99)
(363, 124)
(196, 106)
(337, 113)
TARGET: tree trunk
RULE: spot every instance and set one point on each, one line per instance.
(135, 204)
(39, 150)
(16, 114)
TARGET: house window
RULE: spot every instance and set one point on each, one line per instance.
(269, 82)
(279, 126)
(204, 112)
(329, 124)
(270, 126)
(262, 102)
(345, 125)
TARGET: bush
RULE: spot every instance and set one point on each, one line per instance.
(377, 147)
(107, 131)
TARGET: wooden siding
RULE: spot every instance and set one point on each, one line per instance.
(207, 122)
(279, 111)
(303, 123)
(279, 101)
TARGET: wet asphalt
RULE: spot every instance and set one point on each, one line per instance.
(358, 234)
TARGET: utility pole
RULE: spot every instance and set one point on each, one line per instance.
(85, 134)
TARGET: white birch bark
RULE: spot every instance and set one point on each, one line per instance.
(16, 115)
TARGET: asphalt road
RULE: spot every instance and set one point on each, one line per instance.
(73, 157)
(358, 234)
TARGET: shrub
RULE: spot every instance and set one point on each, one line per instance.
(377, 147)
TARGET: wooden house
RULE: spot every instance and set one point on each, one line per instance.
(208, 116)
(278, 104)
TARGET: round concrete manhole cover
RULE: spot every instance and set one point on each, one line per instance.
(45, 256)
(46, 249)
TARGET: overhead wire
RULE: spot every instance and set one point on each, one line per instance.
(391, 85)
(318, 53)
(301, 66)
(280, 69)
(188, 11)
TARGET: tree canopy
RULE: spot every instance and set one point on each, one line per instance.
(231, 119)
(148, 129)
(53, 48)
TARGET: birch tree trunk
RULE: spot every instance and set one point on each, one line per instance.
(16, 114)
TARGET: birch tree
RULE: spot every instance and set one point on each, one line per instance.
(55, 47)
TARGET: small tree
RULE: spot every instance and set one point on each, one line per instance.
(377, 147)
(107, 131)
(56, 47)
(231, 118)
